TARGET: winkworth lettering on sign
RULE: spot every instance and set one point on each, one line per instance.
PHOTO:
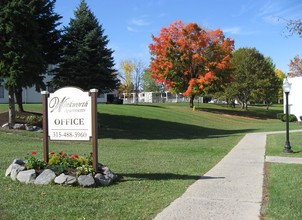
(69, 114)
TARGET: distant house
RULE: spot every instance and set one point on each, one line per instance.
(154, 97)
(295, 97)
(30, 95)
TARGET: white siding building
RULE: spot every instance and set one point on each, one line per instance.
(295, 97)
(30, 95)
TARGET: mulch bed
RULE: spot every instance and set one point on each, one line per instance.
(20, 118)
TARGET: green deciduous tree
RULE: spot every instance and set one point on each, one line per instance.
(267, 84)
(149, 84)
(86, 61)
(254, 77)
(29, 41)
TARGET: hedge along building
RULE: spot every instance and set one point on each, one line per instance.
(295, 97)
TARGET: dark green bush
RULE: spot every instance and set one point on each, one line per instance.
(291, 118)
(280, 116)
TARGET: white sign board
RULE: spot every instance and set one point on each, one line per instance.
(69, 114)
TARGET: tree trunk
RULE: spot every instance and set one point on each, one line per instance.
(246, 104)
(192, 101)
(11, 108)
(18, 95)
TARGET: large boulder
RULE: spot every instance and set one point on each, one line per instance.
(13, 170)
(64, 179)
(45, 177)
(27, 176)
(86, 180)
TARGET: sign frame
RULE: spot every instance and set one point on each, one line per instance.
(52, 103)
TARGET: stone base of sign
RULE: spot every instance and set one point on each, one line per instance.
(17, 172)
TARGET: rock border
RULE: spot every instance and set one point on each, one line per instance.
(17, 172)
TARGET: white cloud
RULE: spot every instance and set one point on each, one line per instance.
(232, 30)
(239, 31)
(140, 22)
(131, 29)
(272, 11)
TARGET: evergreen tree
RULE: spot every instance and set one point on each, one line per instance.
(28, 43)
(86, 62)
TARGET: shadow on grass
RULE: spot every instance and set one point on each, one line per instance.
(129, 127)
(263, 115)
(165, 176)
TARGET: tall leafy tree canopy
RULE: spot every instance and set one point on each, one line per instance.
(29, 41)
(254, 77)
(86, 62)
(186, 58)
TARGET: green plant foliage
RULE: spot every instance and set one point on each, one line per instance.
(34, 163)
(291, 118)
(280, 116)
(62, 163)
(85, 169)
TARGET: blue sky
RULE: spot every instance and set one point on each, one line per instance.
(129, 24)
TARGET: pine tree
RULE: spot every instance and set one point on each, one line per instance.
(28, 42)
(86, 62)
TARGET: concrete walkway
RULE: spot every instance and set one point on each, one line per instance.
(230, 190)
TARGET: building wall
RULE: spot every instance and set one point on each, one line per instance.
(295, 97)
(30, 95)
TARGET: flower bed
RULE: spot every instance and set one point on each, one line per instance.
(61, 169)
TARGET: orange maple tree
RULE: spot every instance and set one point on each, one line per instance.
(187, 57)
(295, 67)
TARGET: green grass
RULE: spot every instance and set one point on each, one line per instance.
(284, 192)
(159, 150)
(276, 142)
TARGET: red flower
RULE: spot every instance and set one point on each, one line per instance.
(34, 153)
(74, 156)
(52, 153)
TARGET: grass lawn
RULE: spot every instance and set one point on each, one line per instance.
(276, 142)
(159, 150)
(284, 193)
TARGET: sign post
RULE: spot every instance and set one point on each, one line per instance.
(45, 125)
(70, 114)
(93, 93)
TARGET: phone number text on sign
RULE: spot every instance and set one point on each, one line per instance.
(78, 135)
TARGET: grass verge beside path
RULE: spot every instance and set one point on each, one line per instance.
(284, 192)
(159, 150)
(283, 181)
(276, 142)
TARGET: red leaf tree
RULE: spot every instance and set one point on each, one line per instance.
(186, 58)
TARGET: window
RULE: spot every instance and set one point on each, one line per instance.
(102, 95)
(1, 92)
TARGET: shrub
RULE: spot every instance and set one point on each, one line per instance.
(280, 116)
(291, 118)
